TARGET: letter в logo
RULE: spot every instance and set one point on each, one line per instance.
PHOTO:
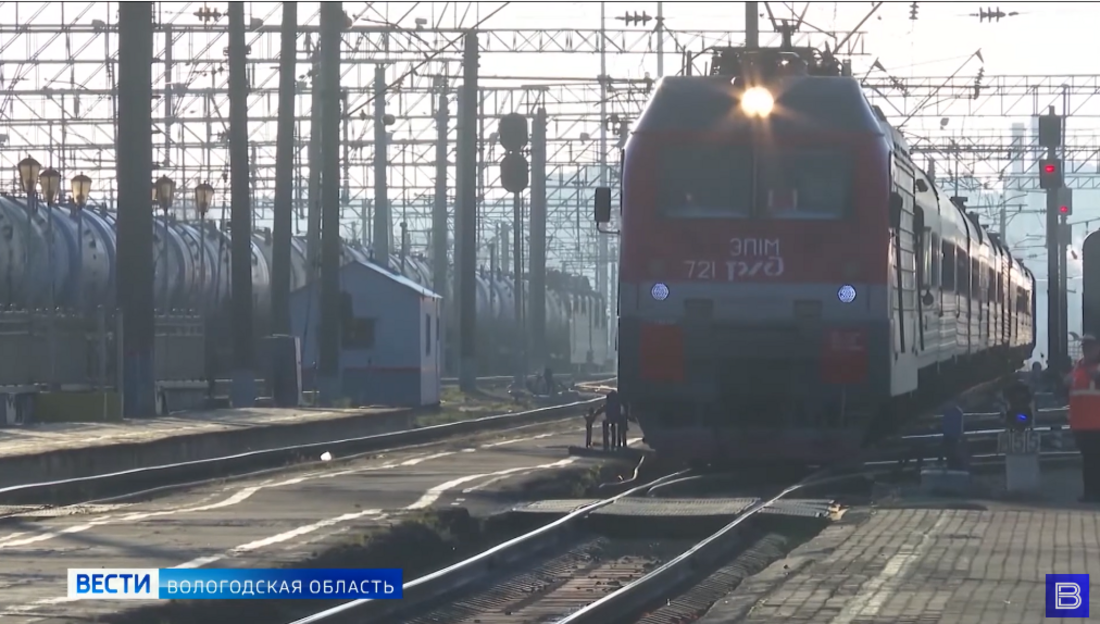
(1067, 595)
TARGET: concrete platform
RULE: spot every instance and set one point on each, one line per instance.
(268, 521)
(56, 451)
(679, 507)
(931, 561)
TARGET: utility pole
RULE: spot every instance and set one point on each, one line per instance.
(244, 378)
(439, 216)
(601, 242)
(466, 215)
(660, 39)
(1065, 207)
(284, 176)
(752, 25)
(313, 210)
(1051, 180)
(332, 23)
(383, 224)
(134, 163)
(537, 310)
(439, 207)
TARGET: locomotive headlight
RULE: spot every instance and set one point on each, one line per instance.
(846, 294)
(659, 291)
(757, 102)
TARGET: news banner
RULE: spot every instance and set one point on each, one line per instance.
(222, 584)
(1067, 595)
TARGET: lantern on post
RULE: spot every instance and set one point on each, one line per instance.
(81, 186)
(204, 196)
(28, 174)
(50, 181)
(163, 191)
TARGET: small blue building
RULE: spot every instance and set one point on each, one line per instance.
(390, 349)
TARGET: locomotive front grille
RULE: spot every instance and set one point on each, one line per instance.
(759, 378)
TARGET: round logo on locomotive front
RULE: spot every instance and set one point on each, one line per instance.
(846, 294)
(659, 291)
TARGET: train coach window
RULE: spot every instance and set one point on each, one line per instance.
(705, 181)
(804, 184)
(948, 273)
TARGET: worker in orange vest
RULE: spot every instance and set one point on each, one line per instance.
(1084, 415)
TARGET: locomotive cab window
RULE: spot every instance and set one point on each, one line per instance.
(804, 184)
(702, 180)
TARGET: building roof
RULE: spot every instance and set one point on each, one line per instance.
(400, 279)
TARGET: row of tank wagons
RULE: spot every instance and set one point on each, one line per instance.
(192, 266)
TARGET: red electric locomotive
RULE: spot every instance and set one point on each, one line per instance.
(791, 283)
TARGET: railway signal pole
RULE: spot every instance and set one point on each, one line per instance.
(514, 174)
(1051, 179)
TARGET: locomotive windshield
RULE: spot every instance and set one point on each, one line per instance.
(803, 184)
(724, 181)
(705, 180)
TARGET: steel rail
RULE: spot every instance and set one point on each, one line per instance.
(456, 576)
(647, 589)
(978, 460)
(62, 489)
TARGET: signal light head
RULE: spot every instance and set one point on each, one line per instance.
(1050, 174)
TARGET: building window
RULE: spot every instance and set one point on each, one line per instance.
(427, 334)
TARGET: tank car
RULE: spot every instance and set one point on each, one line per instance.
(192, 271)
(792, 285)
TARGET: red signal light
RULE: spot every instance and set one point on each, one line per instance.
(1049, 168)
(1063, 209)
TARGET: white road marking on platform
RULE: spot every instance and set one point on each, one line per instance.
(9, 541)
(485, 484)
(875, 592)
(281, 537)
(514, 440)
(433, 494)
(426, 500)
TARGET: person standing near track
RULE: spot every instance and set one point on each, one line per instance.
(613, 411)
(1084, 415)
(953, 436)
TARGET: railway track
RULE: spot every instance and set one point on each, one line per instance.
(575, 576)
(565, 574)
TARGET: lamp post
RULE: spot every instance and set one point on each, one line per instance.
(50, 182)
(204, 196)
(81, 186)
(163, 191)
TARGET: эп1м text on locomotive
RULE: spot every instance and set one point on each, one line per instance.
(192, 272)
(792, 285)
